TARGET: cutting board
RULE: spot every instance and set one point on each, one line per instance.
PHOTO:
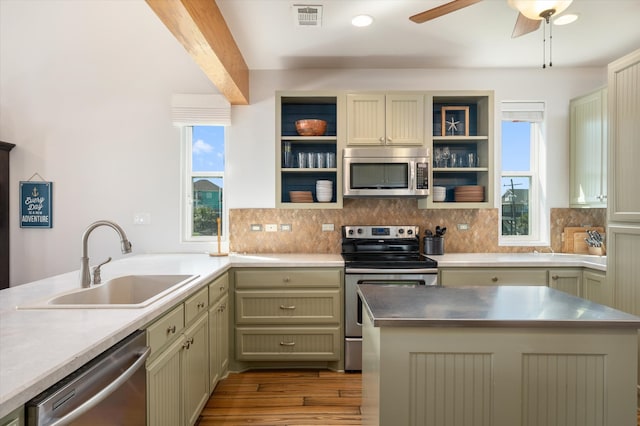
(573, 238)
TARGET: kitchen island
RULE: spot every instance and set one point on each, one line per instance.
(499, 356)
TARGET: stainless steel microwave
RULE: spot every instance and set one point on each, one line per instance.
(386, 172)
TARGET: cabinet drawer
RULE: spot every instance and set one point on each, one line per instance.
(502, 276)
(196, 304)
(165, 329)
(278, 307)
(298, 277)
(218, 288)
(294, 343)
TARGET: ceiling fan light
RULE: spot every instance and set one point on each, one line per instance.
(534, 9)
(565, 19)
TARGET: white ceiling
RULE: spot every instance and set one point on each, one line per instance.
(478, 36)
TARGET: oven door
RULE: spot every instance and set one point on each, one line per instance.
(353, 304)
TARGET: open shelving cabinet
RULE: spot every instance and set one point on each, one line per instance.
(478, 142)
(293, 106)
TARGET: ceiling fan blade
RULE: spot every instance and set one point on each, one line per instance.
(525, 25)
(441, 10)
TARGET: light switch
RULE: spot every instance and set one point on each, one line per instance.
(271, 227)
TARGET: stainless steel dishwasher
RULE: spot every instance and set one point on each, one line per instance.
(109, 390)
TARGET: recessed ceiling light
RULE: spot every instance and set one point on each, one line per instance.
(565, 19)
(361, 21)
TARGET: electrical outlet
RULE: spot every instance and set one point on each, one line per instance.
(271, 227)
(327, 227)
(463, 227)
(285, 227)
(256, 227)
(142, 218)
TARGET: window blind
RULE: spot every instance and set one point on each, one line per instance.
(200, 110)
(522, 111)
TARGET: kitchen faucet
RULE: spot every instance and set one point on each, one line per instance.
(85, 276)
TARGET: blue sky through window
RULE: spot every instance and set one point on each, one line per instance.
(207, 149)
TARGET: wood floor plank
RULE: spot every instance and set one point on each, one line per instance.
(285, 397)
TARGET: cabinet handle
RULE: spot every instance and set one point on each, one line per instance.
(494, 279)
(389, 140)
(200, 305)
(287, 307)
(287, 343)
(382, 139)
(554, 277)
(187, 344)
(222, 308)
(286, 279)
(222, 289)
(171, 329)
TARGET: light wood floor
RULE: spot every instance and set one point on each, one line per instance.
(287, 397)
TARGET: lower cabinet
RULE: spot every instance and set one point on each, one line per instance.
(288, 314)
(568, 280)
(178, 383)
(218, 330)
(14, 418)
(596, 288)
(460, 277)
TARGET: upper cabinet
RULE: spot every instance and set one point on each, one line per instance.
(624, 128)
(385, 119)
(588, 180)
(303, 161)
(461, 143)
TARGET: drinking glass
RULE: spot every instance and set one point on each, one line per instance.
(311, 160)
(437, 157)
(446, 154)
(302, 160)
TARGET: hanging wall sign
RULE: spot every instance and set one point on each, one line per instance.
(35, 204)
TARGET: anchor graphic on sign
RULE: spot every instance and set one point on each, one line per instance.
(35, 192)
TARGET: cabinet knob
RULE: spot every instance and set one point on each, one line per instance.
(171, 329)
(291, 307)
(554, 277)
(222, 289)
(286, 279)
(287, 343)
(381, 139)
(200, 305)
(389, 140)
(222, 308)
(494, 279)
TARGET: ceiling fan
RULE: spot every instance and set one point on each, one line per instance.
(531, 12)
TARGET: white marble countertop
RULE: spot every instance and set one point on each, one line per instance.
(531, 260)
(40, 347)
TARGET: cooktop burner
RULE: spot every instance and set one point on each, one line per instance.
(383, 247)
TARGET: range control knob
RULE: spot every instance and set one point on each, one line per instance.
(360, 231)
(400, 231)
(350, 232)
(409, 231)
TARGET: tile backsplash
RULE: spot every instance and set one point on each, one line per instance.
(306, 234)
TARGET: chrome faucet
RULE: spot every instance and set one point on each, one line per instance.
(85, 275)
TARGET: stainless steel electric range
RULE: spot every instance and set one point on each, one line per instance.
(381, 255)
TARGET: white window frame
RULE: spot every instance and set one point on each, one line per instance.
(186, 193)
(533, 112)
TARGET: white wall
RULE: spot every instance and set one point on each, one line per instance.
(84, 93)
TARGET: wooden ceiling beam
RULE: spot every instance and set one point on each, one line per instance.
(200, 27)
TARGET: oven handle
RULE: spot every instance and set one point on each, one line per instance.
(105, 392)
(426, 271)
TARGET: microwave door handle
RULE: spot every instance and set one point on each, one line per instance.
(413, 176)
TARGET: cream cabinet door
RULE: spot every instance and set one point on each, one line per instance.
(596, 288)
(218, 341)
(404, 118)
(195, 365)
(567, 280)
(624, 128)
(164, 387)
(588, 178)
(365, 119)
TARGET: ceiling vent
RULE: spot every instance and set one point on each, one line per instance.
(307, 15)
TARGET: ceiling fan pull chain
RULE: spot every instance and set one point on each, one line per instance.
(544, 45)
(550, 42)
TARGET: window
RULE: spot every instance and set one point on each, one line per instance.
(522, 201)
(203, 193)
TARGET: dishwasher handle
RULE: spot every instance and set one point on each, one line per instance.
(105, 392)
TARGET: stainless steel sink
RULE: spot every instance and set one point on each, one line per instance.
(130, 291)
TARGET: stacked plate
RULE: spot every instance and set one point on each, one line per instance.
(324, 190)
(469, 193)
(301, 196)
(439, 193)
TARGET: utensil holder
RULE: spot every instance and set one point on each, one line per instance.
(433, 245)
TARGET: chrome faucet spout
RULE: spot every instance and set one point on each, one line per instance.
(125, 244)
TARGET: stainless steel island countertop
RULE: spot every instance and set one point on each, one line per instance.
(495, 306)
